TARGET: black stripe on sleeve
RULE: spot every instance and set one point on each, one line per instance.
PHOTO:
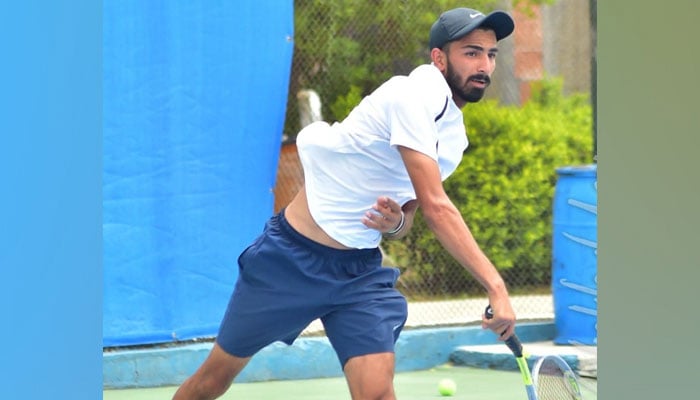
(444, 108)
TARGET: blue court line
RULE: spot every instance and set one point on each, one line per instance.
(308, 357)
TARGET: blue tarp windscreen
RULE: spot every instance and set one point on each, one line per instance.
(194, 104)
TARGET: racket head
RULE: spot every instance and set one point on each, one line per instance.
(555, 380)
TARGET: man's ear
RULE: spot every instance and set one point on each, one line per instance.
(439, 58)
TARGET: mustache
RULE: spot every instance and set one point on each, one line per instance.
(480, 77)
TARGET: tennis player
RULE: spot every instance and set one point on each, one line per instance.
(365, 177)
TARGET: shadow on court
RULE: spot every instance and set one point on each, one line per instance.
(472, 383)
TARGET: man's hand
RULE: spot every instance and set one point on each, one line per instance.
(386, 216)
(502, 323)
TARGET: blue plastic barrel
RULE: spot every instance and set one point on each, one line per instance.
(575, 255)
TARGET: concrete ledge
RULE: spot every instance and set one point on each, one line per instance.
(582, 359)
(308, 357)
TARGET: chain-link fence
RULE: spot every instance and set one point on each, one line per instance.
(344, 50)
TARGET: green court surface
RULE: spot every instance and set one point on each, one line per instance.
(472, 383)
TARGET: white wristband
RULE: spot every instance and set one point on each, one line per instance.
(400, 226)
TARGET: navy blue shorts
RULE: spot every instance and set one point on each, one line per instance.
(287, 280)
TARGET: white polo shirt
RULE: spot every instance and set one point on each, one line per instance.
(349, 164)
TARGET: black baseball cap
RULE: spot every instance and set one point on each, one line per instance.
(455, 23)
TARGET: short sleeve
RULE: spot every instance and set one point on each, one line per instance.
(411, 119)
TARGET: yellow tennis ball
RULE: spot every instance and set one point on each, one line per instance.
(447, 387)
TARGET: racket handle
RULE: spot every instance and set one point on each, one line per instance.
(512, 342)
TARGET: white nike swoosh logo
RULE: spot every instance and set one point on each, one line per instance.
(474, 15)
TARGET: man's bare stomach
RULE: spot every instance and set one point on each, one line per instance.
(298, 215)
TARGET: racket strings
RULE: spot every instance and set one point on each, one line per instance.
(553, 383)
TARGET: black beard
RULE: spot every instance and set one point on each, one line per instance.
(468, 95)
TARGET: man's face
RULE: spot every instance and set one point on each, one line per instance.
(470, 63)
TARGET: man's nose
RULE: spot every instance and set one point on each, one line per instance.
(485, 64)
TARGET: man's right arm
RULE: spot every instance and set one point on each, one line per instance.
(449, 227)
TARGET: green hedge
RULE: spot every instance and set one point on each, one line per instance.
(504, 188)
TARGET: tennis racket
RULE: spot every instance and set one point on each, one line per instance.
(554, 379)
(516, 347)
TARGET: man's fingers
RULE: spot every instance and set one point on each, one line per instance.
(388, 208)
(389, 204)
(385, 215)
(502, 327)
